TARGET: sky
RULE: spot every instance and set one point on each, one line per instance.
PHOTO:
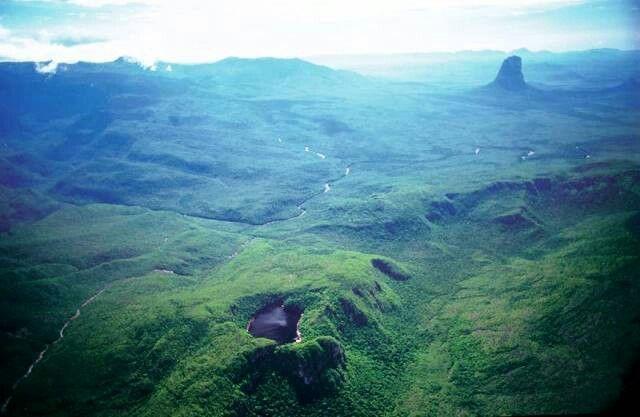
(190, 31)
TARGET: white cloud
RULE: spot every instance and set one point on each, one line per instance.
(46, 67)
(199, 30)
(360, 4)
(4, 32)
(92, 3)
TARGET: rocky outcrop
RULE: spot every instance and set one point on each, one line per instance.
(510, 76)
(582, 193)
(314, 368)
(516, 221)
(354, 314)
(372, 295)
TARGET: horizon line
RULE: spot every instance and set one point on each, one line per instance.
(137, 60)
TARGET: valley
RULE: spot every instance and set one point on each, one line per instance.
(268, 237)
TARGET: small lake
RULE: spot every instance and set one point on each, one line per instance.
(276, 322)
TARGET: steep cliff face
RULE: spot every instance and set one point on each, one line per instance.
(314, 368)
(510, 76)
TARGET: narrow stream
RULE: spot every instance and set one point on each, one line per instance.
(26, 375)
(302, 211)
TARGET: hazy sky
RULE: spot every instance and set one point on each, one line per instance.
(197, 31)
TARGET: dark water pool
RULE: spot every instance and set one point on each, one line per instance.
(276, 322)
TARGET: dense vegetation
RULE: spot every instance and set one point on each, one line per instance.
(453, 251)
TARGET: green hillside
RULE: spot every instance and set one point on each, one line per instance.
(471, 251)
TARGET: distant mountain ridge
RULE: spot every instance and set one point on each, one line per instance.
(509, 88)
(265, 71)
(596, 68)
(255, 76)
(264, 68)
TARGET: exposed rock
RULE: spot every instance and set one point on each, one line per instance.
(371, 296)
(510, 77)
(514, 221)
(353, 312)
(583, 193)
(315, 368)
